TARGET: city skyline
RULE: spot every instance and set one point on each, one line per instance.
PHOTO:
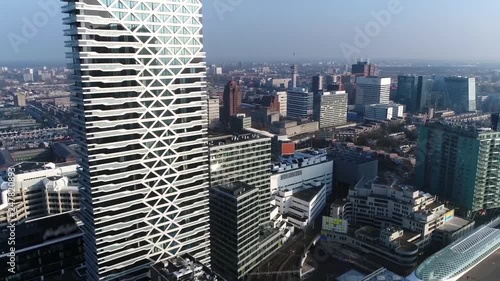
(403, 35)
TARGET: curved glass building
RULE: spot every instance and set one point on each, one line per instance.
(458, 258)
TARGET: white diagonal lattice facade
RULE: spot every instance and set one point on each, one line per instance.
(141, 124)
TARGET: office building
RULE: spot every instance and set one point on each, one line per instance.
(372, 90)
(28, 77)
(299, 104)
(41, 189)
(141, 123)
(460, 94)
(282, 99)
(330, 108)
(183, 268)
(271, 102)
(46, 249)
(381, 112)
(304, 167)
(234, 224)
(364, 69)
(459, 163)
(301, 208)
(213, 111)
(292, 128)
(317, 84)
(414, 92)
(295, 76)
(280, 83)
(231, 101)
(465, 257)
(20, 99)
(244, 158)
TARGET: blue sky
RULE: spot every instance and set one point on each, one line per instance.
(465, 30)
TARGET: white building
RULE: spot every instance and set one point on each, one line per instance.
(142, 118)
(282, 98)
(213, 111)
(293, 173)
(40, 189)
(372, 90)
(382, 112)
(302, 207)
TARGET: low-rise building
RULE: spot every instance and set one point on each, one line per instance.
(183, 268)
(381, 112)
(292, 128)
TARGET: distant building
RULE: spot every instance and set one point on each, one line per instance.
(460, 94)
(272, 102)
(364, 69)
(183, 268)
(330, 108)
(213, 112)
(28, 77)
(282, 98)
(46, 248)
(381, 112)
(280, 83)
(20, 99)
(372, 90)
(292, 128)
(234, 224)
(41, 189)
(239, 122)
(317, 84)
(300, 104)
(414, 92)
(459, 163)
(295, 76)
(231, 101)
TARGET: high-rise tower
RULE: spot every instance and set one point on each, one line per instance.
(141, 125)
(295, 75)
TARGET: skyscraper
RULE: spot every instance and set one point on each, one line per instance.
(364, 69)
(330, 108)
(231, 101)
(413, 92)
(459, 163)
(460, 94)
(317, 83)
(140, 123)
(372, 90)
(299, 103)
(295, 75)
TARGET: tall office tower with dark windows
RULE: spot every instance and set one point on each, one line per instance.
(364, 69)
(234, 228)
(317, 84)
(141, 126)
(460, 164)
(460, 94)
(231, 101)
(244, 158)
(413, 92)
(299, 104)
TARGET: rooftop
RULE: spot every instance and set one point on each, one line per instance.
(454, 224)
(300, 159)
(235, 188)
(185, 268)
(218, 140)
(307, 194)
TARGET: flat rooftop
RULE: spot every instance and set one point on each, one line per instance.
(308, 194)
(235, 188)
(217, 140)
(454, 224)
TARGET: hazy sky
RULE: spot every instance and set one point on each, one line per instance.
(465, 30)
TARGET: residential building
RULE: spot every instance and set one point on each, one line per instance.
(183, 268)
(459, 164)
(460, 94)
(280, 83)
(213, 111)
(141, 123)
(330, 108)
(282, 99)
(382, 112)
(372, 90)
(41, 189)
(414, 92)
(299, 104)
(234, 224)
(304, 167)
(20, 99)
(364, 69)
(231, 101)
(45, 248)
(301, 208)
